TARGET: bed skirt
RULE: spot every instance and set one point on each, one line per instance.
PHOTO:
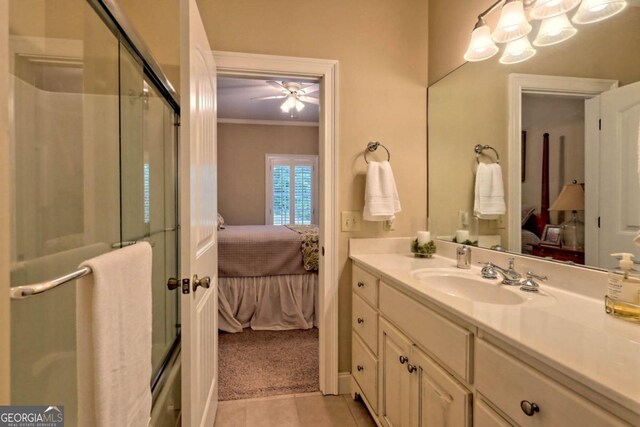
(272, 303)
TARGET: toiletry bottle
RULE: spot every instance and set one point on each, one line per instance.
(623, 290)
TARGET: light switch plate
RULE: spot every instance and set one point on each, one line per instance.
(351, 221)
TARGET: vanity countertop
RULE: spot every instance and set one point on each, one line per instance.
(570, 332)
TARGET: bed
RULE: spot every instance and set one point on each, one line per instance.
(267, 277)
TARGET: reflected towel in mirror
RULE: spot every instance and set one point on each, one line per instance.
(489, 192)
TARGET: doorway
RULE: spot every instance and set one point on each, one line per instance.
(324, 72)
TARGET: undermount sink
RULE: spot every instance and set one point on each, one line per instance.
(464, 285)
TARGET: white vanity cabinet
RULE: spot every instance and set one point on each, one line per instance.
(364, 337)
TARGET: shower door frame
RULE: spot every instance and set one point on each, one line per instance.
(259, 66)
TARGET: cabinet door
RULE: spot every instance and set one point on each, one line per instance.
(437, 399)
(394, 378)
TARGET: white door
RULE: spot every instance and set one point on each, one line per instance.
(619, 187)
(198, 213)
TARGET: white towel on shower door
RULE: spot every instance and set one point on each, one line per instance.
(381, 201)
(489, 192)
(113, 327)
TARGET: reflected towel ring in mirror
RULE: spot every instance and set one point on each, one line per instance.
(373, 146)
(479, 150)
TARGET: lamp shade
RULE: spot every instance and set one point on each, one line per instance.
(517, 51)
(481, 46)
(554, 30)
(512, 24)
(543, 9)
(571, 198)
(597, 10)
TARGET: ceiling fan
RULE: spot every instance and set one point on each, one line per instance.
(294, 94)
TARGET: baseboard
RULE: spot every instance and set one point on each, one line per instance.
(344, 382)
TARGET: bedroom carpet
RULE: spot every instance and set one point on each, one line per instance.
(267, 363)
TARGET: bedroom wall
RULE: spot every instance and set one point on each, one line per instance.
(241, 157)
(382, 49)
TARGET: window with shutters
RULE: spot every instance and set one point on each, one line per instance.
(291, 189)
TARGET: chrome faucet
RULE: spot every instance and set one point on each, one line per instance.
(529, 284)
(510, 276)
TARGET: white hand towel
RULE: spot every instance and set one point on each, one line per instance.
(381, 200)
(489, 192)
(113, 326)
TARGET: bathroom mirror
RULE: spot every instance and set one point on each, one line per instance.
(564, 91)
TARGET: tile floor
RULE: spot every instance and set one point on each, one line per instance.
(297, 410)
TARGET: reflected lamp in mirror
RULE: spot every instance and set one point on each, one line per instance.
(571, 198)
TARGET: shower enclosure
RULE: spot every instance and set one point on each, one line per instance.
(94, 149)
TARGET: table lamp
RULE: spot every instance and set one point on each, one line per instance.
(571, 198)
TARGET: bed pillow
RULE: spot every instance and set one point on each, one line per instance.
(527, 211)
(220, 222)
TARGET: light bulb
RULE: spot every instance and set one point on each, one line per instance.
(517, 51)
(547, 8)
(554, 30)
(299, 105)
(512, 24)
(289, 103)
(591, 11)
(481, 46)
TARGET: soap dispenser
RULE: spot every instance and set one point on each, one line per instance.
(623, 290)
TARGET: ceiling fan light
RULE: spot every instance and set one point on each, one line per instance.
(299, 105)
(543, 9)
(517, 51)
(554, 30)
(289, 103)
(591, 11)
(512, 24)
(481, 46)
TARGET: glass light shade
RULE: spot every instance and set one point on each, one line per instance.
(597, 10)
(481, 46)
(554, 30)
(299, 105)
(289, 103)
(547, 8)
(512, 24)
(517, 51)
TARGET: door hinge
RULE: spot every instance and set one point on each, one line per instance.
(177, 123)
(599, 124)
(185, 286)
(323, 251)
(598, 222)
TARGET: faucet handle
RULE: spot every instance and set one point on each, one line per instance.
(531, 274)
(488, 271)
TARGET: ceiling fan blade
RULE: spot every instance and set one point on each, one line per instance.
(309, 89)
(276, 84)
(309, 99)
(271, 97)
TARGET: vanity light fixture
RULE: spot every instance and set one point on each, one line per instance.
(544, 9)
(554, 30)
(517, 51)
(481, 46)
(513, 26)
(591, 11)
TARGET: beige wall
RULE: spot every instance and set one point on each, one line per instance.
(4, 208)
(470, 106)
(382, 49)
(241, 165)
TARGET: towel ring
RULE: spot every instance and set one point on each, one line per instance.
(373, 146)
(479, 150)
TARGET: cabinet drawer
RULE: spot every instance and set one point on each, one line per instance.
(448, 342)
(484, 416)
(365, 323)
(364, 368)
(507, 382)
(366, 285)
